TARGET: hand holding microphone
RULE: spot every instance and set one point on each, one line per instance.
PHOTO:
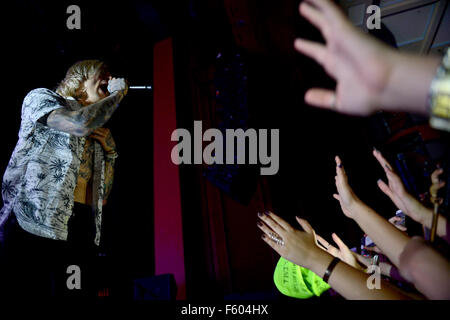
(118, 84)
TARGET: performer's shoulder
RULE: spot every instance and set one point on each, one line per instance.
(43, 93)
(40, 91)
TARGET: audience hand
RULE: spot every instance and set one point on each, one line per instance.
(395, 189)
(370, 75)
(393, 220)
(405, 201)
(297, 246)
(342, 252)
(349, 56)
(346, 197)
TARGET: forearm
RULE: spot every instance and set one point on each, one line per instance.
(426, 268)
(409, 82)
(82, 122)
(426, 219)
(350, 282)
(388, 238)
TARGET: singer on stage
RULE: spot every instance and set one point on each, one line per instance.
(59, 176)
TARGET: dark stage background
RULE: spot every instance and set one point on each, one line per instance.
(224, 256)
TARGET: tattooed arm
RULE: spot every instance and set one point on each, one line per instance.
(82, 122)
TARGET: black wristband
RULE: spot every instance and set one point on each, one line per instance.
(330, 268)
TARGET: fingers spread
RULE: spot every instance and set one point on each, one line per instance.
(330, 10)
(314, 50)
(314, 16)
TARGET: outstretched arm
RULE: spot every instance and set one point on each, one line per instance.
(419, 263)
(396, 191)
(300, 248)
(388, 238)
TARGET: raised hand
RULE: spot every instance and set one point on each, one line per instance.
(292, 244)
(346, 197)
(370, 75)
(396, 191)
(350, 57)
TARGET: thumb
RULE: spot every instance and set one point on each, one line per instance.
(305, 225)
(320, 97)
(385, 188)
(394, 219)
(339, 242)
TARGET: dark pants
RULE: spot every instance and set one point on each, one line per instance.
(37, 267)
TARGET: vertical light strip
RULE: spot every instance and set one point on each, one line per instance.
(169, 248)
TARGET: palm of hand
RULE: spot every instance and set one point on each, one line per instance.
(352, 92)
(395, 189)
(349, 57)
(346, 197)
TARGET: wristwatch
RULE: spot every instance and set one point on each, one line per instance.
(439, 96)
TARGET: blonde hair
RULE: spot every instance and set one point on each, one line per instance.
(73, 83)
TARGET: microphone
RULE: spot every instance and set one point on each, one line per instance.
(140, 87)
